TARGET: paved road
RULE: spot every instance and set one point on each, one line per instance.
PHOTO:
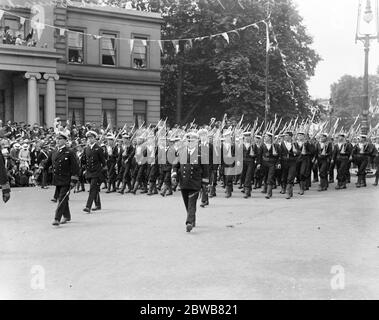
(137, 248)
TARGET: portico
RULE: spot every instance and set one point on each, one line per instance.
(28, 74)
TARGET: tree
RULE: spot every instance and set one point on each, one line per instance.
(347, 97)
(229, 77)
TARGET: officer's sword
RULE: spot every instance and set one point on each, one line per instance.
(65, 196)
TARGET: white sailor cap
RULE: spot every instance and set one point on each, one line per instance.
(91, 133)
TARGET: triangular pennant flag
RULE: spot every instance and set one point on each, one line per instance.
(96, 37)
(160, 45)
(1, 14)
(190, 43)
(256, 26)
(62, 32)
(226, 37)
(175, 43)
(144, 42)
(22, 20)
(267, 38)
(131, 44)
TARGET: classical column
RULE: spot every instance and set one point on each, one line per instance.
(33, 110)
(50, 98)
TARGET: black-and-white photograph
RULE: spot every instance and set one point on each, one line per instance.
(181, 150)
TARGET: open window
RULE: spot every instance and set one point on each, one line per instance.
(75, 46)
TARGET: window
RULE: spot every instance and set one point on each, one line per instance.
(109, 111)
(76, 111)
(139, 112)
(139, 54)
(75, 46)
(42, 110)
(108, 49)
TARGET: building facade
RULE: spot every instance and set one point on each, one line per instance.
(64, 72)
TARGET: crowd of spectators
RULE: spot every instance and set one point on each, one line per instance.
(24, 147)
(9, 37)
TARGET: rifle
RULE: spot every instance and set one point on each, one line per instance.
(223, 121)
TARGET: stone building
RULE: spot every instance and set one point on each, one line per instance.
(64, 72)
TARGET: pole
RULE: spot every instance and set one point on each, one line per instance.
(365, 106)
(267, 103)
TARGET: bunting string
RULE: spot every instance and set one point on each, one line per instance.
(175, 42)
(284, 59)
(62, 31)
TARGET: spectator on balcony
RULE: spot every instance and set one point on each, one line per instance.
(19, 41)
(8, 37)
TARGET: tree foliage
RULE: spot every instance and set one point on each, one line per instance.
(347, 97)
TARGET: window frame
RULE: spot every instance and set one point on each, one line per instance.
(83, 31)
(139, 112)
(117, 44)
(83, 109)
(115, 111)
(146, 37)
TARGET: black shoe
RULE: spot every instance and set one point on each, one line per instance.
(189, 227)
(44, 188)
(54, 200)
(203, 204)
(88, 210)
(55, 223)
(96, 209)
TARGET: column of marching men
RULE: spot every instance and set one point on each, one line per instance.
(149, 160)
(268, 163)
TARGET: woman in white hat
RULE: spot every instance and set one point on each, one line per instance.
(24, 156)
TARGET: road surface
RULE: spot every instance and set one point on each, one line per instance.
(320, 246)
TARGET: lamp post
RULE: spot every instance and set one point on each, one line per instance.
(367, 30)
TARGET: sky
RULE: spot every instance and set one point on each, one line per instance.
(332, 23)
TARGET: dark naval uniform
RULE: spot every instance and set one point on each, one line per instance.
(269, 158)
(376, 163)
(125, 160)
(95, 174)
(290, 155)
(250, 154)
(362, 152)
(192, 173)
(65, 173)
(4, 179)
(324, 153)
(112, 159)
(342, 155)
